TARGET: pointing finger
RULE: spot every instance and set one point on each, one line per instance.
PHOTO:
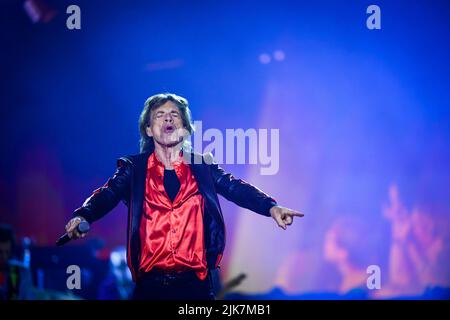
(293, 213)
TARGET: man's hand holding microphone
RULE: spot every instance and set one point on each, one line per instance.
(76, 228)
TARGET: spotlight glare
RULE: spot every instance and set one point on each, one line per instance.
(264, 58)
(279, 55)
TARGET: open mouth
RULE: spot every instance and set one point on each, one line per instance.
(169, 128)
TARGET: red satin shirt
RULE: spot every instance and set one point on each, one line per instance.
(172, 233)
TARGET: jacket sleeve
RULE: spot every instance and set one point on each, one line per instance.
(241, 192)
(105, 198)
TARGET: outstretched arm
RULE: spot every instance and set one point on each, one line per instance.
(250, 197)
(102, 200)
(241, 192)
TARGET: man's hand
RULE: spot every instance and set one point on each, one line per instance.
(284, 216)
(71, 228)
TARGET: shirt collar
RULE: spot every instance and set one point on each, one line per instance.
(153, 161)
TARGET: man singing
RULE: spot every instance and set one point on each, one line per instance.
(176, 232)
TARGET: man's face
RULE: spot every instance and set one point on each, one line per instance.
(5, 253)
(166, 125)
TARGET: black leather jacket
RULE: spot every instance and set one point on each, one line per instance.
(128, 185)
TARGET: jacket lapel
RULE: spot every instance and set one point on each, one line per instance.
(138, 190)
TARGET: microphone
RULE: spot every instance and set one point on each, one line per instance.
(82, 227)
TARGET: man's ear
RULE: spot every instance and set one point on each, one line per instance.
(148, 130)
